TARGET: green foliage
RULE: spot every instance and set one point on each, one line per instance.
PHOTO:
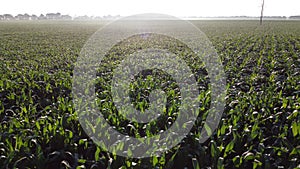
(260, 127)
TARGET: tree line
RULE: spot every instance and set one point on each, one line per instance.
(59, 16)
(51, 16)
(48, 16)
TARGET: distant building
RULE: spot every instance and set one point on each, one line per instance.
(1, 17)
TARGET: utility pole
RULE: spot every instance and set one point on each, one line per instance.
(262, 12)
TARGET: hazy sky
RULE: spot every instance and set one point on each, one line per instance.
(171, 7)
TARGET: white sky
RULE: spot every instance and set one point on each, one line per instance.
(171, 7)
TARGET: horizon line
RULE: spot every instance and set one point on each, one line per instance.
(118, 15)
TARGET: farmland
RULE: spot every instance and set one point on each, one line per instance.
(259, 128)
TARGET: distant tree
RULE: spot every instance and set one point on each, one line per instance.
(42, 17)
(295, 17)
(98, 18)
(19, 17)
(33, 17)
(66, 17)
(85, 17)
(262, 12)
(26, 16)
(53, 15)
(8, 17)
(22, 17)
